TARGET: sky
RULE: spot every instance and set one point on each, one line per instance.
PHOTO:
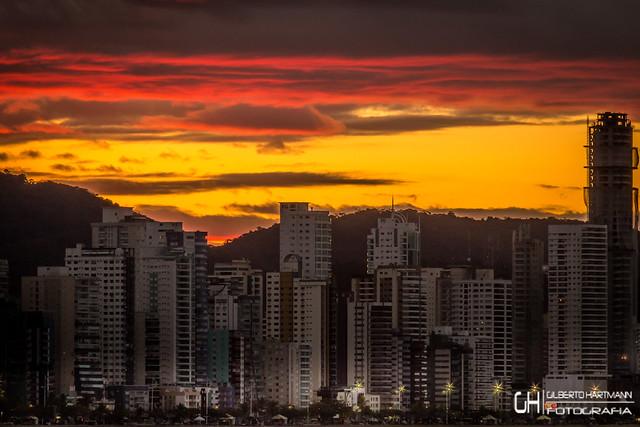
(211, 112)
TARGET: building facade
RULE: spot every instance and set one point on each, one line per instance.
(528, 308)
(107, 269)
(394, 242)
(474, 303)
(578, 285)
(612, 200)
(389, 318)
(305, 241)
(52, 292)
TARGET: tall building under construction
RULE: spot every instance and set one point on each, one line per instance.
(612, 200)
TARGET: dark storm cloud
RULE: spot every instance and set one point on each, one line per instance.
(227, 181)
(349, 27)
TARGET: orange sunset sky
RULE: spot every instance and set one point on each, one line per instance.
(212, 112)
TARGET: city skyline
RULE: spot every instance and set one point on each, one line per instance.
(212, 128)
(339, 212)
(176, 328)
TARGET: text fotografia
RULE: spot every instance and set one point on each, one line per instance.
(573, 402)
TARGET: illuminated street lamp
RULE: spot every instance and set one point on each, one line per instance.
(595, 388)
(534, 389)
(498, 389)
(448, 389)
(401, 390)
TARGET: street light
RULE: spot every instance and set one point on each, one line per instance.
(534, 389)
(595, 388)
(401, 390)
(498, 389)
(448, 389)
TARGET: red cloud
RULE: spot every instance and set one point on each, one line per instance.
(458, 81)
(272, 95)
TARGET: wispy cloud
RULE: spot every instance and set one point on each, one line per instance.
(270, 208)
(228, 181)
(30, 154)
(559, 187)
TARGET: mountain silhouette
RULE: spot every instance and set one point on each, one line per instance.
(38, 220)
(446, 240)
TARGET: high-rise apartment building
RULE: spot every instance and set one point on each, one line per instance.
(389, 318)
(166, 296)
(88, 345)
(577, 307)
(153, 281)
(612, 200)
(297, 297)
(477, 304)
(450, 372)
(282, 369)
(305, 241)
(107, 269)
(296, 312)
(395, 242)
(236, 304)
(228, 283)
(479, 382)
(52, 292)
(528, 308)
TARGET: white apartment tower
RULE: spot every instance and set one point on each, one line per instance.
(577, 352)
(305, 241)
(394, 242)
